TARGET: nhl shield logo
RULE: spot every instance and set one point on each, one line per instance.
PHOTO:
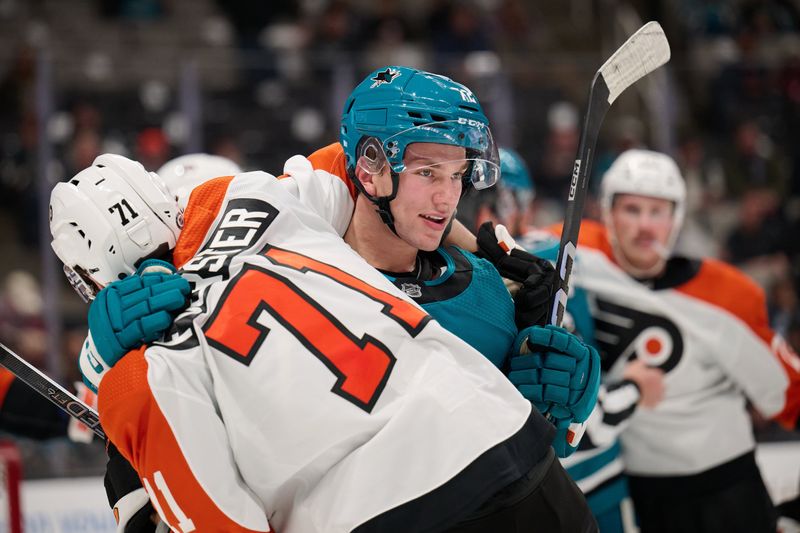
(412, 289)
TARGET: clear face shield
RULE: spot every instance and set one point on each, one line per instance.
(453, 148)
(82, 282)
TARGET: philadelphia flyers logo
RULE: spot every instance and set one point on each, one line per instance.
(626, 333)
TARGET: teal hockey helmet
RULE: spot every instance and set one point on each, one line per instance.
(514, 172)
(396, 106)
(515, 191)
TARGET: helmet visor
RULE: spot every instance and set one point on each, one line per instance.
(83, 284)
(479, 155)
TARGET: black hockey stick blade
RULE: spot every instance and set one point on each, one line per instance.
(643, 52)
(51, 390)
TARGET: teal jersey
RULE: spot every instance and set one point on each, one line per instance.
(467, 296)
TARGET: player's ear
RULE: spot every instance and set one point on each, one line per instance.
(369, 180)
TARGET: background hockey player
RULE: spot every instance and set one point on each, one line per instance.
(24, 412)
(690, 459)
(597, 466)
(182, 174)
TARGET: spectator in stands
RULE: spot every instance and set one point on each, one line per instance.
(558, 154)
(757, 245)
(455, 29)
(783, 308)
(754, 162)
(18, 180)
(152, 148)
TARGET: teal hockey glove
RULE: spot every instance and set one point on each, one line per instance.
(567, 438)
(128, 313)
(557, 372)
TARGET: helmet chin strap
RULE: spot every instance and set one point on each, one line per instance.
(383, 203)
(384, 209)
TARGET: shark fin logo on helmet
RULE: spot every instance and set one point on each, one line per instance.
(386, 76)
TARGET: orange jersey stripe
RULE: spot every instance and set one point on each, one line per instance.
(204, 205)
(136, 425)
(331, 159)
(593, 235)
(790, 414)
(726, 287)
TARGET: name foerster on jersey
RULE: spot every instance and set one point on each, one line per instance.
(239, 228)
(623, 333)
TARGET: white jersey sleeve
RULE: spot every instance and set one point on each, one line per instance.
(320, 191)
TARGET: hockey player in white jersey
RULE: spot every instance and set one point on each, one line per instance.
(142, 218)
(182, 174)
(690, 459)
(105, 221)
(236, 424)
(203, 263)
(596, 466)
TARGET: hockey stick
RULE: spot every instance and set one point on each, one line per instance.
(643, 52)
(51, 390)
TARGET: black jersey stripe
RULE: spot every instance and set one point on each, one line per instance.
(496, 468)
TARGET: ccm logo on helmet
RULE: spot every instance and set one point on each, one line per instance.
(471, 122)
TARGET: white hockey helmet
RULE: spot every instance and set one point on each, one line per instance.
(645, 173)
(108, 218)
(186, 172)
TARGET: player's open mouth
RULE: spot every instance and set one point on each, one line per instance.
(432, 218)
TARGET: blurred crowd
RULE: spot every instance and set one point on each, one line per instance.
(259, 81)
